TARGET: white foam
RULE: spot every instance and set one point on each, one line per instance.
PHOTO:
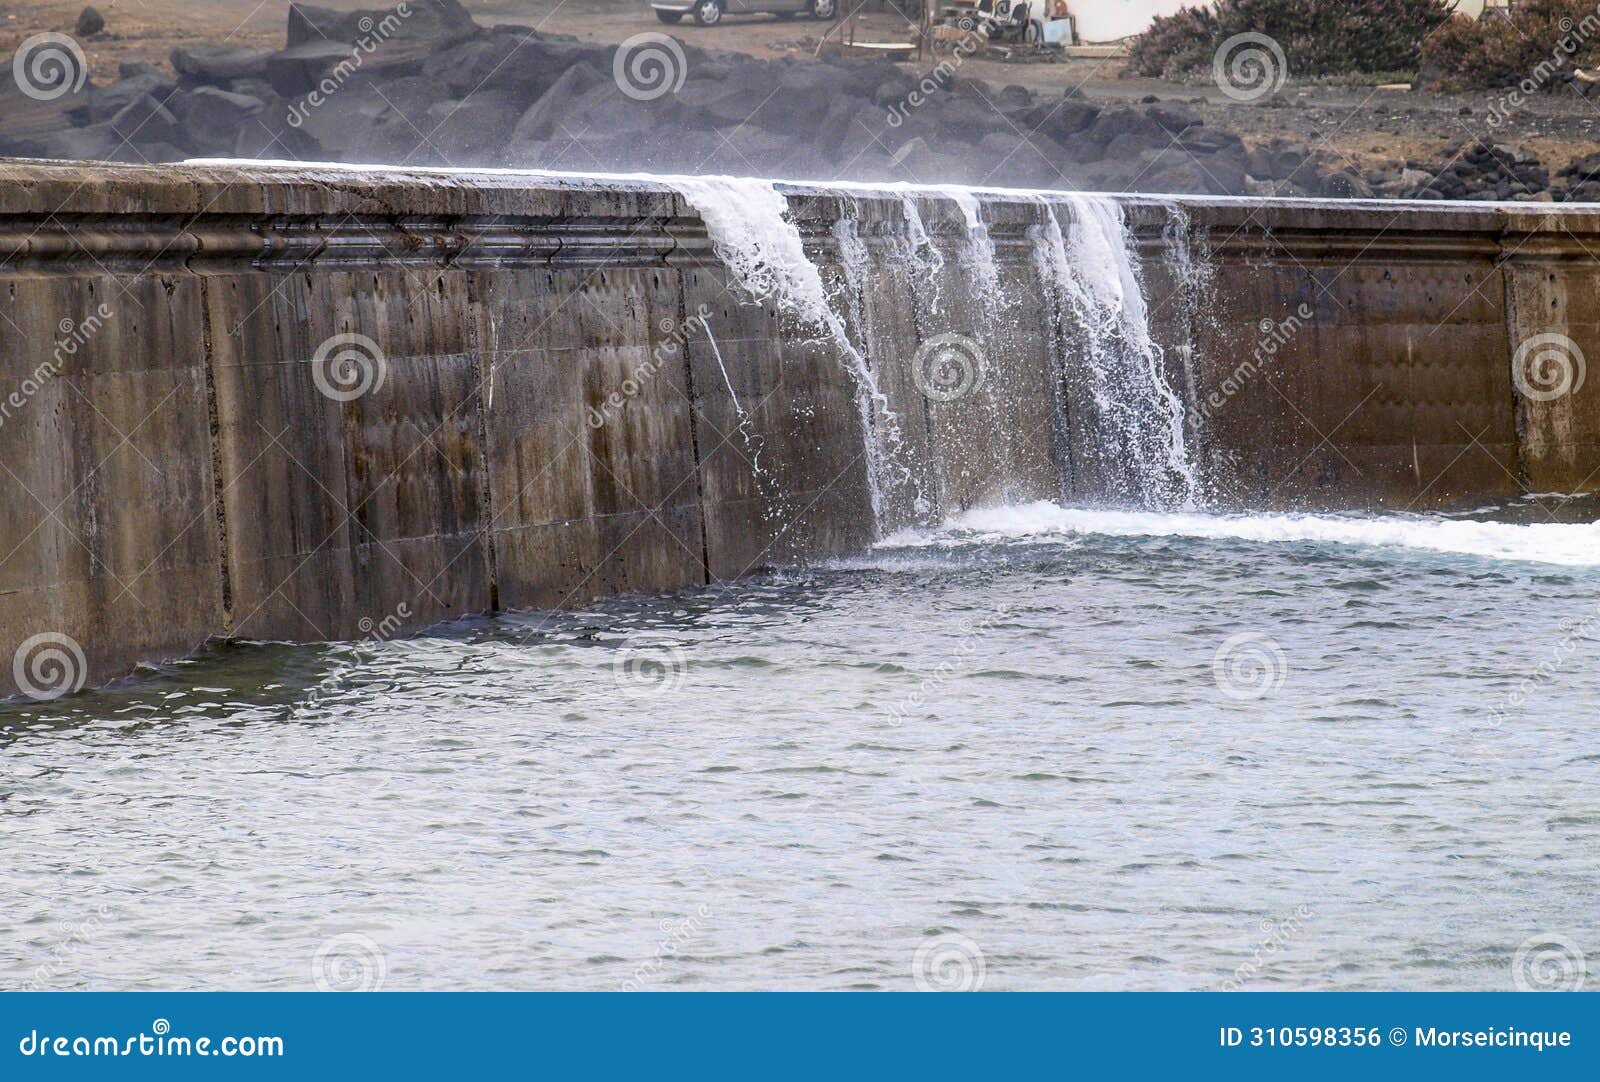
(1572, 545)
(749, 227)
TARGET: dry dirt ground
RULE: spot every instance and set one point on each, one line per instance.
(1360, 125)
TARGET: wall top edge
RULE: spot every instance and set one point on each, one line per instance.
(215, 189)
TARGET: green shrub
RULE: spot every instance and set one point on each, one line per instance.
(1174, 45)
(1540, 43)
(1318, 37)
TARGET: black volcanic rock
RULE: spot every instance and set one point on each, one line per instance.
(211, 118)
(301, 68)
(431, 19)
(437, 89)
(217, 65)
(106, 102)
(90, 22)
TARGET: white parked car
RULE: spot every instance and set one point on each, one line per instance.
(710, 12)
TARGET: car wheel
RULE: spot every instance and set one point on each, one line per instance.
(708, 12)
(669, 16)
(824, 9)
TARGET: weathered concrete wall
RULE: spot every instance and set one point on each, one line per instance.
(1408, 385)
(1394, 391)
(562, 395)
(1552, 278)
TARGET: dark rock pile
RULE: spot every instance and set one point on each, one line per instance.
(1484, 171)
(1582, 177)
(1466, 171)
(434, 88)
(1496, 171)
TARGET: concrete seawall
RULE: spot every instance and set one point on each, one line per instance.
(301, 403)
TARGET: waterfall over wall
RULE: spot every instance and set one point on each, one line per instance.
(1118, 427)
(763, 250)
(1132, 424)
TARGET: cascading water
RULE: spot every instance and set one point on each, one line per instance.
(917, 250)
(977, 257)
(746, 433)
(1130, 430)
(1131, 423)
(762, 249)
(855, 260)
(1193, 281)
(746, 221)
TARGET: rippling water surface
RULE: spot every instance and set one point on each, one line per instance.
(1087, 750)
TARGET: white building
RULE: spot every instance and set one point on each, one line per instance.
(1111, 20)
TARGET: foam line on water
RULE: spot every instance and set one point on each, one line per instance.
(1566, 544)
